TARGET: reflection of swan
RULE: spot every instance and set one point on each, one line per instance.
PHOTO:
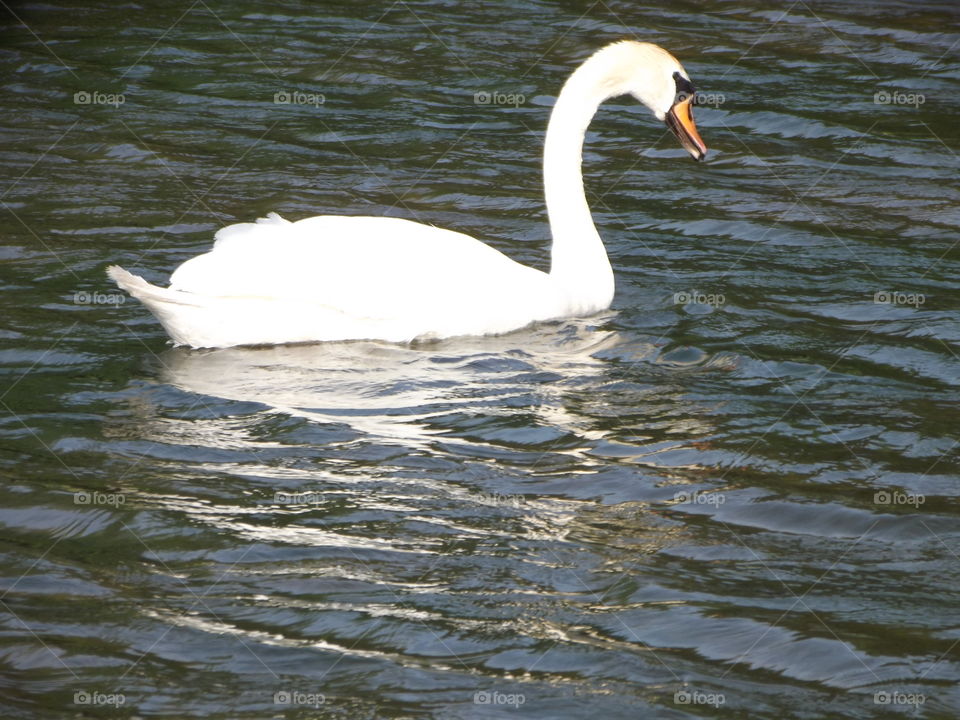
(337, 278)
(402, 394)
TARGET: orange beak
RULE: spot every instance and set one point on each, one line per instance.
(680, 121)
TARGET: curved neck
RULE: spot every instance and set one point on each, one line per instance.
(579, 261)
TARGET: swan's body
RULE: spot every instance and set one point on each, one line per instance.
(340, 277)
(274, 281)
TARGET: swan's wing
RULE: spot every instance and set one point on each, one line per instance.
(371, 267)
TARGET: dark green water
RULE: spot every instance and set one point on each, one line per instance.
(740, 507)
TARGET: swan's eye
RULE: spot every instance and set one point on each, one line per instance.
(685, 88)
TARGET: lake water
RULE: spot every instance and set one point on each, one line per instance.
(734, 495)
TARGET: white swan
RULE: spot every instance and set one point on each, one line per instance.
(340, 277)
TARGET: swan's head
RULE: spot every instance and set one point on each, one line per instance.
(657, 79)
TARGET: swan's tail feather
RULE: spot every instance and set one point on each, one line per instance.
(145, 292)
(176, 310)
(203, 321)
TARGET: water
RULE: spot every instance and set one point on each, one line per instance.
(741, 504)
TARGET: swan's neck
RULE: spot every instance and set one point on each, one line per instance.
(579, 262)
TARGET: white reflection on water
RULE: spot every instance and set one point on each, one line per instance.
(393, 392)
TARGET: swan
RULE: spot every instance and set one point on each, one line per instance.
(333, 277)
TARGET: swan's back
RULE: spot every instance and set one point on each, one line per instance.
(305, 260)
